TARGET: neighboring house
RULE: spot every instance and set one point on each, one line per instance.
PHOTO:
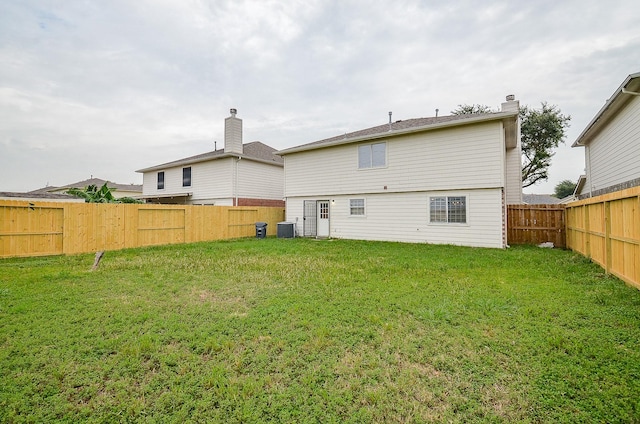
(540, 199)
(118, 190)
(611, 143)
(440, 180)
(42, 197)
(238, 175)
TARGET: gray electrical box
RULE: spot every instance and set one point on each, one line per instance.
(286, 230)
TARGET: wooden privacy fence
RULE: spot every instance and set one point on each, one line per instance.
(54, 228)
(536, 224)
(607, 229)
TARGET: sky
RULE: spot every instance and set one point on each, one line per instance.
(101, 89)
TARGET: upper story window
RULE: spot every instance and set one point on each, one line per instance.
(449, 209)
(161, 180)
(356, 207)
(186, 177)
(372, 155)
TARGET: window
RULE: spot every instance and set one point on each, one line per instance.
(161, 180)
(186, 177)
(372, 155)
(356, 207)
(451, 209)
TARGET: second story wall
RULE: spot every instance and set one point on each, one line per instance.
(464, 157)
(210, 179)
(260, 181)
(613, 156)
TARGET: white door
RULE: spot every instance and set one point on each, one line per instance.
(323, 218)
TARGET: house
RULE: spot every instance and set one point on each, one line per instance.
(611, 143)
(443, 180)
(118, 190)
(238, 175)
(540, 199)
(42, 197)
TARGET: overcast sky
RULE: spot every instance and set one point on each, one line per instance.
(103, 88)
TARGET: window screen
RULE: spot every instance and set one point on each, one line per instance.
(372, 155)
(452, 209)
(356, 207)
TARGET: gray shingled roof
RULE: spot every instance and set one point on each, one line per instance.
(91, 181)
(254, 151)
(401, 127)
(539, 199)
(32, 195)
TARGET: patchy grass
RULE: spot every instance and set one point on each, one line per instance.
(317, 331)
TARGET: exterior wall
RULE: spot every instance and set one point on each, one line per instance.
(260, 181)
(613, 156)
(213, 182)
(466, 157)
(513, 177)
(405, 217)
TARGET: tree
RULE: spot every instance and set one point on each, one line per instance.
(564, 188)
(541, 131)
(471, 109)
(93, 194)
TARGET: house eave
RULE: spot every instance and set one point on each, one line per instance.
(611, 107)
(205, 159)
(395, 133)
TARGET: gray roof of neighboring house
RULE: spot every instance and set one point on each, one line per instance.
(254, 151)
(611, 107)
(91, 181)
(42, 196)
(402, 127)
(540, 199)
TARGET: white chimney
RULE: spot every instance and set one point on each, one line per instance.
(511, 105)
(233, 134)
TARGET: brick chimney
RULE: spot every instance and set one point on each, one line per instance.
(233, 134)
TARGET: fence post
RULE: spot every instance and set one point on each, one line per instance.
(607, 236)
(587, 234)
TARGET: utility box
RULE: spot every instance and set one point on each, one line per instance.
(286, 230)
(261, 229)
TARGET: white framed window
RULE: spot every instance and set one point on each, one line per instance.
(372, 155)
(448, 209)
(356, 207)
(186, 177)
(161, 180)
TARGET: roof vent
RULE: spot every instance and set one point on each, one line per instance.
(233, 111)
(511, 97)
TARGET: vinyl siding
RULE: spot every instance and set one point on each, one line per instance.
(209, 180)
(615, 151)
(467, 157)
(405, 217)
(260, 181)
(513, 188)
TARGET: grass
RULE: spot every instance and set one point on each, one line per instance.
(317, 331)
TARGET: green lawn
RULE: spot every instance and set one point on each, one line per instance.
(317, 331)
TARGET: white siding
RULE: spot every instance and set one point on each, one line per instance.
(513, 188)
(465, 157)
(209, 181)
(615, 152)
(260, 181)
(405, 217)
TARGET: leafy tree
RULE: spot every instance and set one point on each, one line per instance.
(93, 194)
(471, 109)
(564, 188)
(541, 131)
